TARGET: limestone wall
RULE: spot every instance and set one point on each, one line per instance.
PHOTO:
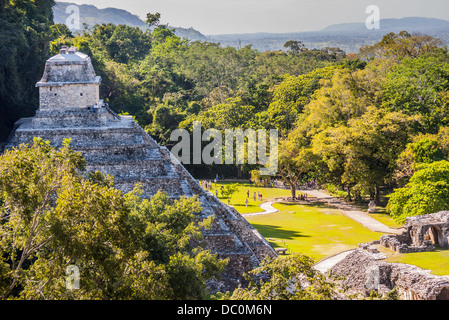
(66, 96)
(135, 169)
(423, 233)
(112, 154)
(363, 272)
(82, 137)
(170, 186)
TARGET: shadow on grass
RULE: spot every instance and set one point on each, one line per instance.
(244, 206)
(319, 205)
(269, 231)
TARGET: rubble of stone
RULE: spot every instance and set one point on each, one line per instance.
(365, 265)
(422, 233)
(70, 107)
(364, 272)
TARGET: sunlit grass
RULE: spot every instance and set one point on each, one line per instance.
(437, 261)
(320, 231)
(316, 231)
(386, 219)
(238, 199)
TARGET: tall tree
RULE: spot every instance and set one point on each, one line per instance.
(418, 87)
(294, 46)
(24, 46)
(427, 192)
(401, 45)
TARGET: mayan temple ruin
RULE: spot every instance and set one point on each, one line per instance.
(70, 107)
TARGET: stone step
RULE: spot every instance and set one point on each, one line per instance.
(219, 241)
(75, 118)
(132, 169)
(118, 133)
(82, 137)
(116, 154)
(169, 185)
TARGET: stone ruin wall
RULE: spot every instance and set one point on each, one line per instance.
(423, 233)
(68, 96)
(74, 69)
(361, 267)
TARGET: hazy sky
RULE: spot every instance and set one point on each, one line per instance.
(248, 16)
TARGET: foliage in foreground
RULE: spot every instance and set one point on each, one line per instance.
(289, 278)
(52, 217)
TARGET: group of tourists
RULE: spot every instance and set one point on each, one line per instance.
(207, 184)
(302, 197)
(273, 183)
(309, 185)
(257, 196)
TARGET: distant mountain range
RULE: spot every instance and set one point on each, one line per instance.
(350, 37)
(92, 15)
(411, 24)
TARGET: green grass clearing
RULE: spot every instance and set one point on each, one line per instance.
(238, 199)
(319, 231)
(316, 231)
(386, 219)
(437, 261)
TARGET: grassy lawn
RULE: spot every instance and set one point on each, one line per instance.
(317, 231)
(437, 261)
(238, 199)
(382, 216)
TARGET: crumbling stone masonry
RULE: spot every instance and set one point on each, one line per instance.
(422, 233)
(363, 271)
(365, 265)
(70, 107)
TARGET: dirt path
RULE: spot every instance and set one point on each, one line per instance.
(355, 214)
(327, 263)
(350, 211)
(267, 208)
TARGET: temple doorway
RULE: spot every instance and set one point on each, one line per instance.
(436, 236)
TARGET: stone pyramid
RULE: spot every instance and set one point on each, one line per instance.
(70, 107)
